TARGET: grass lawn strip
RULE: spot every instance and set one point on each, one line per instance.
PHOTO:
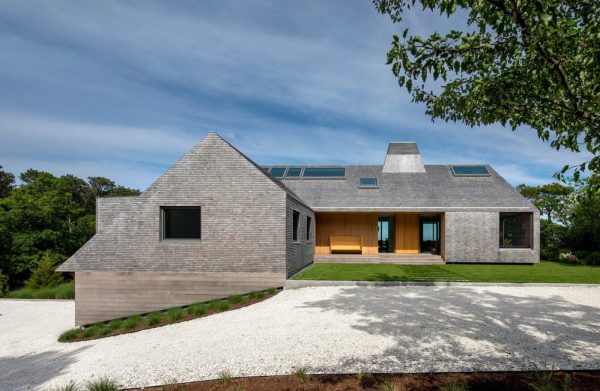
(543, 272)
(63, 291)
(162, 318)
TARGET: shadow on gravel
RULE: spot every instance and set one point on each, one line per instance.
(32, 370)
(437, 329)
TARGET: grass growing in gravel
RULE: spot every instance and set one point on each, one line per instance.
(159, 318)
(63, 291)
(543, 272)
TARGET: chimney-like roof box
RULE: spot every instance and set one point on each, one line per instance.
(403, 158)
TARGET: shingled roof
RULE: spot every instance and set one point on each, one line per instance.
(437, 189)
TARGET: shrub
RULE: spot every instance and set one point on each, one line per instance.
(62, 291)
(301, 375)
(588, 257)
(154, 318)
(389, 385)
(114, 325)
(3, 285)
(365, 378)
(543, 381)
(71, 386)
(102, 384)
(69, 335)
(549, 254)
(235, 299)
(90, 331)
(44, 276)
(132, 322)
(219, 305)
(224, 377)
(455, 387)
(175, 314)
(197, 309)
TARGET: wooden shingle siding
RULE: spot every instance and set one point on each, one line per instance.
(109, 295)
(301, 253)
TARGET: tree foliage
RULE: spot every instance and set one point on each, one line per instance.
(7, 183)
(553, 199)
(534, 63)
(47, 216)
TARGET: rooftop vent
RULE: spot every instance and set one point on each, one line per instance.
(403, 158)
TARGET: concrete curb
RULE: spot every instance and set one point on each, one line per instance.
(297, 284)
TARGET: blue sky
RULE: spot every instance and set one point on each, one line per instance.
(123, 89)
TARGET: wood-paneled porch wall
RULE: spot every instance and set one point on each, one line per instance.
(407, 233)
(346, 224)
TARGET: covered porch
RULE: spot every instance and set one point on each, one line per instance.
(379, 237)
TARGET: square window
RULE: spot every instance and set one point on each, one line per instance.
(368, 182)
(516, 230)
(180, 222)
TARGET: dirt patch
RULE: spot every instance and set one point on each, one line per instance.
(474, 381)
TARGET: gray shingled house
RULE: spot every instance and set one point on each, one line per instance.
(217, 224)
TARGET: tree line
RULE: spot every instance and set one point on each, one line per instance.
(570, 224)
(45, 219)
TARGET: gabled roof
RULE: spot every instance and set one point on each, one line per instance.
(437, 188)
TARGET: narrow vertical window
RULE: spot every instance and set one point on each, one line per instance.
(308, 227)
(295, 222)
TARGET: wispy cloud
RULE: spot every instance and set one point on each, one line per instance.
(122, 89)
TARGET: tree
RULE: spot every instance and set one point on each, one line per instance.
(102, 187)
(584, 229)
(552, 199)
(47, 216)
(7, 183)
(534, 63)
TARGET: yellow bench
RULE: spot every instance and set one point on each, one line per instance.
(346, 243)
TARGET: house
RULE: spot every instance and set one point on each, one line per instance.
(217, 224)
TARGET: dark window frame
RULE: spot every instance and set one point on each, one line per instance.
(308, 228)
(502, 217)
(295, 225)
(163, 221)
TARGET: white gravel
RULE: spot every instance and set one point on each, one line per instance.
(325, 329)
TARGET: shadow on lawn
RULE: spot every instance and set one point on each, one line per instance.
(32, 370)
(436, 329)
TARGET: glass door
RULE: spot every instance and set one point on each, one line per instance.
(383, 234)
(430, 234)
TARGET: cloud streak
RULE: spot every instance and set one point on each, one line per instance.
(122, 89)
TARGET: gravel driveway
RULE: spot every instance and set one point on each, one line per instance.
(325, 329)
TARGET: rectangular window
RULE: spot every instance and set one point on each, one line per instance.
(308, 227)
(368, 182)
(295, 222)
(516, 230)
(324, 172)
(277, 172)
(470, 171)
(293, 172)
(180, 222)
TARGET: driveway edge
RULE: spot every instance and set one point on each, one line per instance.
(297, 284)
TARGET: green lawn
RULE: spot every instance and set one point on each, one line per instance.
(542, 272)
(63, 291)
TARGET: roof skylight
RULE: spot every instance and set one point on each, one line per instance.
(472, 170)
(368, 183)
(277, 172)
(324, 172)
(294, 172)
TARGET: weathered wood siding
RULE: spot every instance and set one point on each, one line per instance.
(346, 224)
(102, 296)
